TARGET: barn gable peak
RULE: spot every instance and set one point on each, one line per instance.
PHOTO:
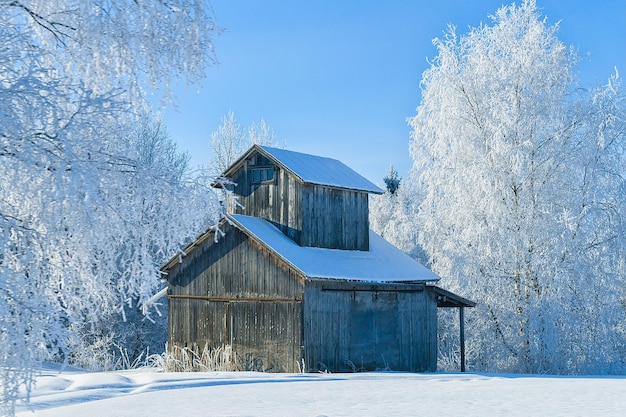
(308, 169)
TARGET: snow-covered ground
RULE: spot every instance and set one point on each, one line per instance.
(147, 392)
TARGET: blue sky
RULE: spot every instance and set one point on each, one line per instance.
(339, 78)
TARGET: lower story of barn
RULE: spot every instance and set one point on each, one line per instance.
(335, 325)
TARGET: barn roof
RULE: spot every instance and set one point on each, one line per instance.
(311, 169)
(383, 263)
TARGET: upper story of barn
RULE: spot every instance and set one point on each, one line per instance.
(315, 201)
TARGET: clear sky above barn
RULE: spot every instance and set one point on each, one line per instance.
(339, 78)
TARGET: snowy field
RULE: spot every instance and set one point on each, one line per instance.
(146, 392)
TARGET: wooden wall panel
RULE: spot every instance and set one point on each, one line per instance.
(197, 321)
(334, 218)
(352, 326)
(235, 292)
(266, 335)
(310, 214)
(418, 319)
(326, 324)
(278, 201)
(235, 267)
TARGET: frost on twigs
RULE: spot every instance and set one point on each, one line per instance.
(229, 201)
(98, 42)
(89, 207)
(518, 174)
(230, 141)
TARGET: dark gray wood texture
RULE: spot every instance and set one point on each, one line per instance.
(309, 214)
(234, 292)
(357, 326)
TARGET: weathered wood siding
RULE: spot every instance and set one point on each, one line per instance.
(367, 327)
(234, 292)
(278, 201)
(334, 218)
(275, 331)
(309, 214)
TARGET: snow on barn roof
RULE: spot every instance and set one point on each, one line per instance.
(382, 263)
(312, 169)
(320, 170)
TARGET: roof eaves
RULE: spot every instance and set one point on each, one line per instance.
(239, 161)
(177, 258)
(374, 283)
(339, 187)
(260, 242)
(447, 298)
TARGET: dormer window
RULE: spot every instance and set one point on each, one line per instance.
(261, 175)
(261, 171)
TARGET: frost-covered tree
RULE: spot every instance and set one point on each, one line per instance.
(157, 209)
(521, 176)
(391, 216)
(230, 140)
(117, 44)
(84, 222)
(392, 180)
(156, 150)
(263, 134)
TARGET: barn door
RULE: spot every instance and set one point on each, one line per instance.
(266, 335)
(374, 331)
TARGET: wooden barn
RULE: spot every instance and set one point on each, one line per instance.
(298, 277)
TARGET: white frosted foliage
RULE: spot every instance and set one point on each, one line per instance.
(520, 174)
(91, 201)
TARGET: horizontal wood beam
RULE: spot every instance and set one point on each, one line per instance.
(377, 289)
(233, 299)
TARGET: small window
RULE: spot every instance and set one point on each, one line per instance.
(261, 175)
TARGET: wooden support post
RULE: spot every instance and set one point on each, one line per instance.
(462, 336)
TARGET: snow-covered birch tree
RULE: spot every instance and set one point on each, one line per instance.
(228, 142)
(521, 175)
(231, 140)
(83, 224)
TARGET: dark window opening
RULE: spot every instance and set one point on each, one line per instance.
(261, 175)
(262, 171)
